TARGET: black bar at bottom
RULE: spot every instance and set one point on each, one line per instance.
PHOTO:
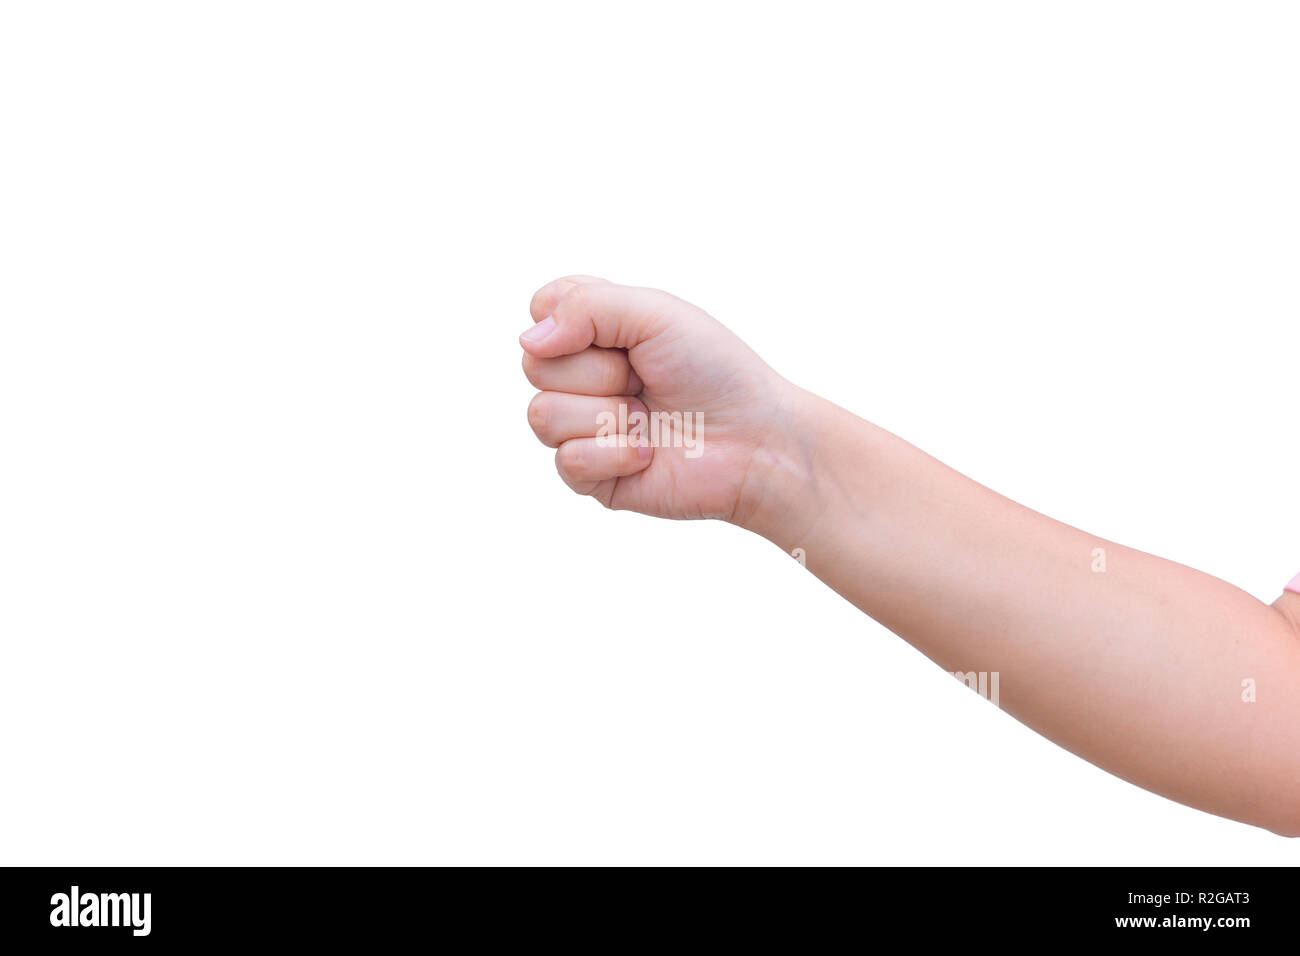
(97, 908)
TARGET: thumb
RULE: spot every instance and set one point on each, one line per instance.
(597, 313)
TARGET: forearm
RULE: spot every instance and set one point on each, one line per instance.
(1137, 667)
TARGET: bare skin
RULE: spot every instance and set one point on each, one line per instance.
(1138, 668)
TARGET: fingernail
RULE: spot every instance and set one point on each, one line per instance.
(539, 331)
(643, 451)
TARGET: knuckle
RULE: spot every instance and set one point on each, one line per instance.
(539, 414)
(662, 306)
(566, 461)
(537, 304)
(579, 462)
(532, 369)
(575, 297)
(658, 299)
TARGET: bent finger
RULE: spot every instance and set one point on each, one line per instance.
(593, 371)
(592, 459)
(557, 417)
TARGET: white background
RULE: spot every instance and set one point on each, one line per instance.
(284, 575)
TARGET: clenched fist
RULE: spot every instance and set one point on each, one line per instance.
(697, 403)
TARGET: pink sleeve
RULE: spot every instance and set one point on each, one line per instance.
(1294, 585)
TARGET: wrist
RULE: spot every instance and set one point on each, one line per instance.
(785, 491)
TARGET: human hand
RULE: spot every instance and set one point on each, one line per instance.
(597, 345)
